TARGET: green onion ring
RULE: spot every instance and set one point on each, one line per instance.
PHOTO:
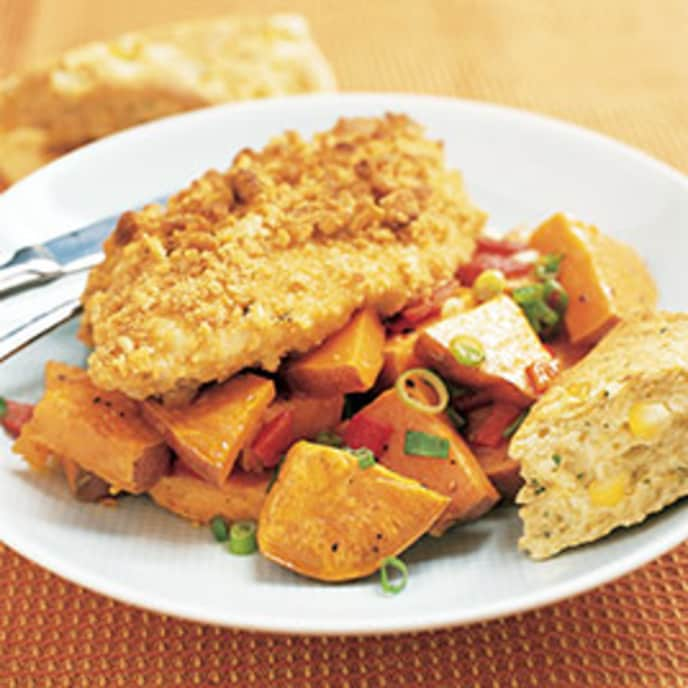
(467, 350)
(398, 564)
(219, 529)
(242, 537)
(431, 380)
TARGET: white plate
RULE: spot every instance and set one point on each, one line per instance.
(519, 167)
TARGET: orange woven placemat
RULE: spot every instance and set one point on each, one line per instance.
(617, 66)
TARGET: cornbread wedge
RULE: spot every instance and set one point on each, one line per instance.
(275, 255)
(606, 445)
(103, 87)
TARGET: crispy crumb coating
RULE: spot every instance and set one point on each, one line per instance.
(273, 255)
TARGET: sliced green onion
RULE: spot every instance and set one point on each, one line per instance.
(541, 316)
(428, 378)
(219, 529)
(554, 289)
(365, 457)
(530, 293)
(510, 430)
(458, 421)
(548, 266)
(329, 438)
(419, 443)
(467, 350)
(488, 284)
(242, 537)
(399, 566)
(3, 407)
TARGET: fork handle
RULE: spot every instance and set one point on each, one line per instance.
(28, 267)
(16, 339)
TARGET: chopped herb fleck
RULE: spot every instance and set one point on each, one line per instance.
(556, 459)
(580, 476)
(537, 488)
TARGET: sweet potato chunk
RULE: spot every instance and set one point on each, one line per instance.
(309, 416)
(328, 518)
(188, 495)
(209, 433)
(566, 353)
(399, 355)
(84, 485)
(348, 361)
(33, 451)
(504, 472)
(509, 343)
(605, 279)
(103, 432)
(459, 476)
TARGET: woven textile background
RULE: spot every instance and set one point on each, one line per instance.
(618, 66)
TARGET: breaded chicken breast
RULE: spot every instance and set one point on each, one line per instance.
(606, 445)
(273, 255)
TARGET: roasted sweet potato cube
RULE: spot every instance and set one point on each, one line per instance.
(507, 339)
(566, 353)
(328, 518)
(209, 433)
(84, 485)
(503, 471)
(459, 476)
(37, 454)
(399, 356)
(309, 416)
(187, 494)
(348, 361)
(606, 280)
(103, 432)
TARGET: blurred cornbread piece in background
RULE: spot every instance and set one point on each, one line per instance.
(103, 87)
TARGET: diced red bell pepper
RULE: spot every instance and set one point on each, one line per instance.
(511, 267)
(419, 311)
(541, 373)
(502, 246)
(491, 431)
(274, 438)
(16, 414)
(366, 432)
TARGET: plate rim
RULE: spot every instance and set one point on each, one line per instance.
(325, 625)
